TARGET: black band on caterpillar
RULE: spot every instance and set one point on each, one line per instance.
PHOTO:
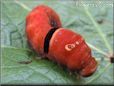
(47, 39)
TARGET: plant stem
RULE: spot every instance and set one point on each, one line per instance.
(97, 49)
(23, 5)
(98, 28)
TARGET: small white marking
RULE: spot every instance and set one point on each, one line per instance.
(59, 33)
(77, 42)
(69, 47)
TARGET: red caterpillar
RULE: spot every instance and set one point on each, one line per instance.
(47, 37)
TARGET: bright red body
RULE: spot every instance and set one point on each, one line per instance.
(65, 47)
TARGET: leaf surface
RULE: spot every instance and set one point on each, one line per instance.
(19, 64)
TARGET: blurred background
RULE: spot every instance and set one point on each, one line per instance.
(92, 19)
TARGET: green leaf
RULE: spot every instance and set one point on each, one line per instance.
(20, 65)
(36, 71)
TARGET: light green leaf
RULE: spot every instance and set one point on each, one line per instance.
(19, 66)
(18, 62)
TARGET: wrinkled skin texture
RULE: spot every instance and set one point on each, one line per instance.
(38, 23)
(65, 46)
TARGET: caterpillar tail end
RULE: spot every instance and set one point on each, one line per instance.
(89, 69)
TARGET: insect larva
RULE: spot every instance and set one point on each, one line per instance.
(47, 37)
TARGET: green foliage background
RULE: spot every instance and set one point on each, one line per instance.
(14, 48)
